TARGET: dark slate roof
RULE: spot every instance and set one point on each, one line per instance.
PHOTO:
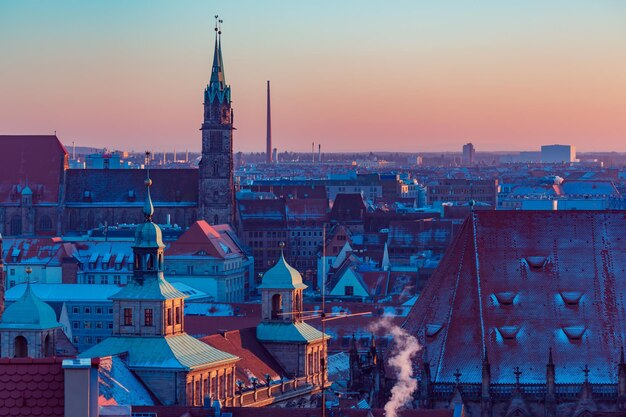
(348, 207)
(32, 387)
(34, 160)
(170, 186)
(518, 283)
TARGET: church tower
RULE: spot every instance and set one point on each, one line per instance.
(217, 193)
(297, 346)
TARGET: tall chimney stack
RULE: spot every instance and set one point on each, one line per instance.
(268, 145)
(313, 152)
(319, 152)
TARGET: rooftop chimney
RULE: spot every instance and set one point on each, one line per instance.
(268, 145)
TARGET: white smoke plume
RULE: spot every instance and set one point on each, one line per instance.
(405, 347)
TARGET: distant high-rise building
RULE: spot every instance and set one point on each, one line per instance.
(216, 184)
(268, 144)
(557, 154)
(469, 153)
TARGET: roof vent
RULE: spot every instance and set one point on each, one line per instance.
(432, 329)
(571, 298)
(506, 297)
(508, 332)
(574, 332)
(536, 261)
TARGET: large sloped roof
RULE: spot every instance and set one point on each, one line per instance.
(256, 361)
(34, 160)
(203, 239)
(170, 352)
(519, 282)
(112, 186)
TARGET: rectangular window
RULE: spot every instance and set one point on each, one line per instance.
(109, 324)
(189, 269)
(12, 271)
(75, 339)
(91, 279)
(98, 310)
(75, 310)
(98, 325)
(128, 317)
(147, 317)
(104, 279)
(169, 316)
(75, 325)
(87, 339)
(177, 315)
(87, 310)
(117, 280)
(110, 310)
(11, 284)
(87, 325)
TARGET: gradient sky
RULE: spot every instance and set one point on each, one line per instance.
(354, 75)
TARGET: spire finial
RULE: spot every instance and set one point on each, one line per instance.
(148, 208)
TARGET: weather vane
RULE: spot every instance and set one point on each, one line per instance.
(218, 24)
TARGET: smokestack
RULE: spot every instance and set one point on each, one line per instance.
(268, 144)
(319, 153)
(313, 152)
(174, 154)
(187, 156)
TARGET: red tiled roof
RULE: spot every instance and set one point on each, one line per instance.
(202, 237)
(255, 359)
(31, 387)
(46, 251)
(34, 160)
(519, 282)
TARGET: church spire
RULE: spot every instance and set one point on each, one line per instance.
(217, 71)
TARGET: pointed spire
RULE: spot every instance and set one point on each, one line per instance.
(217, 71)
(148, 208)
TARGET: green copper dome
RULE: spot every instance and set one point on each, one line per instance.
(282, 276)
(29, 312)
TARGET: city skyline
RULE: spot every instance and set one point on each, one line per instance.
(407, 76)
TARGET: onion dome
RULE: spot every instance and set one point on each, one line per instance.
(29, 312)
(282, 276)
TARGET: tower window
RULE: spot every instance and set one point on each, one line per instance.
(277, 306)
(169, 316)
(128, 317)
(20, 347)
(147, 317)
(178, 315)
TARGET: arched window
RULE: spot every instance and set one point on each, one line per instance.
(45, 223)
(298, 306)
(277, 306)
(48, 346)
(16, 225)
(20, 347)
(149, 262)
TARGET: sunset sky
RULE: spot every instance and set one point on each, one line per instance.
(352, 75)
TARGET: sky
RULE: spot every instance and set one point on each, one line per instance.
(353, 75)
